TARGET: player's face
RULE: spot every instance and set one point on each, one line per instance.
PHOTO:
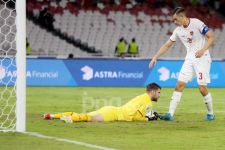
(155, 94)
(178, 19)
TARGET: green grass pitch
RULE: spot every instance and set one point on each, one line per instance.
(188, 131)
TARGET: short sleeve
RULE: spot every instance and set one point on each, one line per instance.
(201, 26)
(173, 37)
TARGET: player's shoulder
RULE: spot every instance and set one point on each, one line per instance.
(139, 96)
(195, 20)
(142, 96)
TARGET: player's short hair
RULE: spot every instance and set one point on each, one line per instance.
(152, 86)
(178, 10)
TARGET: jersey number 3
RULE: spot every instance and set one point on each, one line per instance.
(200, 76)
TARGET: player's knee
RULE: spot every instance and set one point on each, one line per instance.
(203, 89)
(180, 86)
(97, 118)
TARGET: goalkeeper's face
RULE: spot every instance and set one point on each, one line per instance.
(155, 94)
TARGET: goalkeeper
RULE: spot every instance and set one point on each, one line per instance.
(137, 109)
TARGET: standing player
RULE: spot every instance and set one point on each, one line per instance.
(137, 109)
(197, 38)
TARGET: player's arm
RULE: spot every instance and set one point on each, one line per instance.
(161, 51)
(211, 38)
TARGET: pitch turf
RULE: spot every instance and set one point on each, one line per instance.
(187, 131)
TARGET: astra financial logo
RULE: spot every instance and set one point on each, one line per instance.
(164, 73)
(167, 74)
(12, 73)
(90, 73)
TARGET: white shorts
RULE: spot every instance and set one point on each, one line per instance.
(199, 68)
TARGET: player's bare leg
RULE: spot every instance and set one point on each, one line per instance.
(180, 86)
(208, 102)
(203, 90)
(175, 100)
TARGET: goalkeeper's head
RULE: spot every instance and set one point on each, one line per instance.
(153, 90)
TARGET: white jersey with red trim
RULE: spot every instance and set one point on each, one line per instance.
(192, 36)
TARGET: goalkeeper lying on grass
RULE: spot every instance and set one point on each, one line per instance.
(137, 109)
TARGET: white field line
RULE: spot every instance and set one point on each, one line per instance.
(67, 141)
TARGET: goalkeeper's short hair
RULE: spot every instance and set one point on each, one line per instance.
(152, 86)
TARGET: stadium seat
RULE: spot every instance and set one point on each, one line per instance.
(101, 29)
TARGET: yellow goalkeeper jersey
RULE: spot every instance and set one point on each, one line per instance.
(135, 109)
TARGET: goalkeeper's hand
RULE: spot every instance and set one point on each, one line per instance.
(158, 115)
(153, 117)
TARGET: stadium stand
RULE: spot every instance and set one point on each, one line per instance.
(44, 43)
(8, 30)
(87, 30)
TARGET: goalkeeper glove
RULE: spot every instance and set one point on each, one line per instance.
(153, 117)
